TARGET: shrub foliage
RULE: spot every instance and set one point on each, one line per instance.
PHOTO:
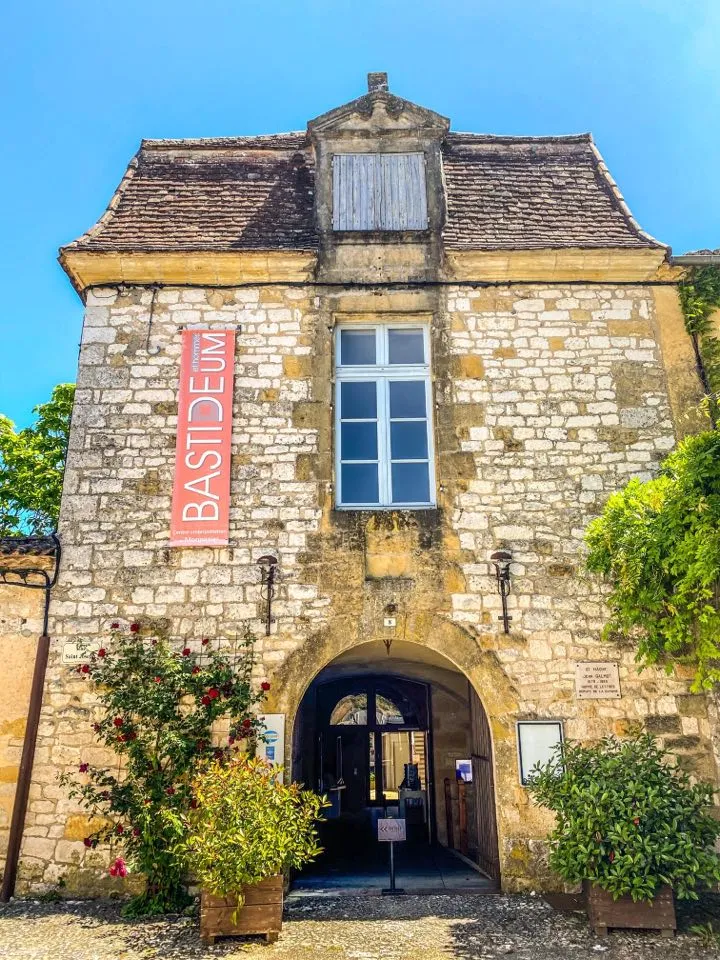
(658, 542)
(248, 825)
(627, 820)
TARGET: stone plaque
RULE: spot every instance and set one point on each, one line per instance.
(78, 651)
(597, 681)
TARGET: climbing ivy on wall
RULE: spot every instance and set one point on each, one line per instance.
(700, 298)
(658, 542)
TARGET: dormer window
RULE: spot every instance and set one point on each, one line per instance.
(379, 191)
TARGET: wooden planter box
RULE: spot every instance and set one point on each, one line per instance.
(260, 913)
(605, 913)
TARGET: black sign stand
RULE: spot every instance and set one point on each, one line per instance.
(393, 890)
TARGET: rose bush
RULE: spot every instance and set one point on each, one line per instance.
(156, 711)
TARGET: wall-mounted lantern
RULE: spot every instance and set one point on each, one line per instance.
(501, 560)
(268, 572)
(536, 741)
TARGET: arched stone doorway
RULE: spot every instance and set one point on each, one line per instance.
(399, 733)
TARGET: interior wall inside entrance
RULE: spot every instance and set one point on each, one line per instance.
(449, 722)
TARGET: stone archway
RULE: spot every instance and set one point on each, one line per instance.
(431, 641)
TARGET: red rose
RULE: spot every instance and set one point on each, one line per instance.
(123, 737)
(87, 841)
(264, 685)
(134, 628)
(115, 625)
(205, 642)
(247, 723)
(636, 821)
(170, 791)
(83, 768)
(205, 700)
(194, 803)
(118, 721)
(96, 727)
(119, 868)
(102, 652)
(196, 669)
(213, 693)
(158, 679)
(136, 831)
(85, 668)
(120, 828)
(611, 856)
(186, 652)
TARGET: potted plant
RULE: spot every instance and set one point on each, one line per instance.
(246, 829)
(631, 827)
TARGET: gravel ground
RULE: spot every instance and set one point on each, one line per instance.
(348, 928)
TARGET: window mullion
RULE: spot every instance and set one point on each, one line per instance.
(384, 440)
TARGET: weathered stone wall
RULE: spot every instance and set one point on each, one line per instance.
(21, 622)
(546, 400)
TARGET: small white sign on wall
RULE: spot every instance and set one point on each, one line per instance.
(78, 651)
(271, 746)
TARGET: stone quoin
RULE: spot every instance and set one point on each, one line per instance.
(446, 345)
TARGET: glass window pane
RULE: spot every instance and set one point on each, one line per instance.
(410, 483)
(408, 441)
(359, 483)
(358, 441)
(406, 346)
(350, 711)
(395, 754)
(357, 347)
(358, 401)
(407, 398)
(386, 711)
(537, 745)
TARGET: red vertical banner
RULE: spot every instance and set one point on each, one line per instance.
(201, 491)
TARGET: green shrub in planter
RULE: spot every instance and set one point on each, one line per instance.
(246, 826)
(628, 820)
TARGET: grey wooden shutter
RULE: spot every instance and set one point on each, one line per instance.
(379, 191)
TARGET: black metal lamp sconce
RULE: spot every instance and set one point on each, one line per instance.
(268, 574)
(501, 560)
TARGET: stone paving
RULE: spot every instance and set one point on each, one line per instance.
(348, 928)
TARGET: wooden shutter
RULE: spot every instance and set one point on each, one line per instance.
(379, 191)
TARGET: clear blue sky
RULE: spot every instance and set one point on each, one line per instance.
(84, 80)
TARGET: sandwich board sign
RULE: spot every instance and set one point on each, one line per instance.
(390, 830)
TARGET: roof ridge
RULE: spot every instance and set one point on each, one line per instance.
(521, 138)
(270, 140)
(604, 172)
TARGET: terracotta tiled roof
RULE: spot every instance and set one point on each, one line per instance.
(27, 547)
(509, 193)
(257, 193)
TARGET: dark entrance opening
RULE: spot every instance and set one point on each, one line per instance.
(396, 742)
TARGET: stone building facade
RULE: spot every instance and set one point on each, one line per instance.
(557, 368)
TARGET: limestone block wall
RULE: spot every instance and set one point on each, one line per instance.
(546, 400)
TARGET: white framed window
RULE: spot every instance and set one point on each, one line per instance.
(379, 191)
(383, 417)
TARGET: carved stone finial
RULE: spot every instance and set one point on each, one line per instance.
(377, 83)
